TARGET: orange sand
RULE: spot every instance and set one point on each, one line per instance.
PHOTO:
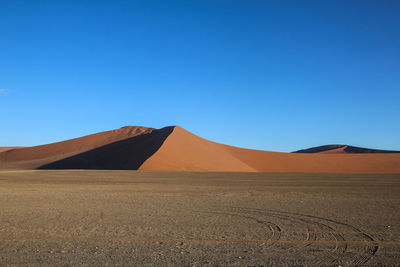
(7, 148)
(36, 156)
(184, 151)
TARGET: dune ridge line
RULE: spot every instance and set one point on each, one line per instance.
(176, 149)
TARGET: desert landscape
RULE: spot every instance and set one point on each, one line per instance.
(199, 133)
(175, 149)
(166, 197)
(147, 218)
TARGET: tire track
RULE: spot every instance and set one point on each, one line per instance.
(313, 229)
(371, 245)
(274, 228)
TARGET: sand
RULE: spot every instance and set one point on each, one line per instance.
(37, 156)
(184, 151)
(176, 149)
(343, 149)
(7, 148)
(126, 154)
(98, 218)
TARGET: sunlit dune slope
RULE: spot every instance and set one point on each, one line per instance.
(176, 149)
(339, 163)
(184, 151)
(7, 148)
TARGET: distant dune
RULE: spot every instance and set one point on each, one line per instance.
(343, 149)
(6, 148)
(175, 149)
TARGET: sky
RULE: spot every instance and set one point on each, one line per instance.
(270, 75)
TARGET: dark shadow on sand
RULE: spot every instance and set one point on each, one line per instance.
(127, 154)
(348, 149)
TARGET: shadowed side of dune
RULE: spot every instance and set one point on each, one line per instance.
(176, 149)
(354, 149)
(319, 149)
(36, 156)
(343, 149)
(127, 154)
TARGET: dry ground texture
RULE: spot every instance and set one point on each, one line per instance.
(103, 218)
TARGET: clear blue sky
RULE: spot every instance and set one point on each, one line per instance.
(272, 75)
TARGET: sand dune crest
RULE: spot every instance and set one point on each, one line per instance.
(176, 149)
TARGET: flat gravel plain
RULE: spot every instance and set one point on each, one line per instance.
(143, 218)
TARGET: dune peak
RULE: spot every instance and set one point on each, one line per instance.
(174, 148)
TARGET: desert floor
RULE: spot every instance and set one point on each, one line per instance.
(97, 218)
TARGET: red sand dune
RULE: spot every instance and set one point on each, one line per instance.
(175, 149)
(36, 156)
(342, 149)
(7, 148)
(185, 151)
